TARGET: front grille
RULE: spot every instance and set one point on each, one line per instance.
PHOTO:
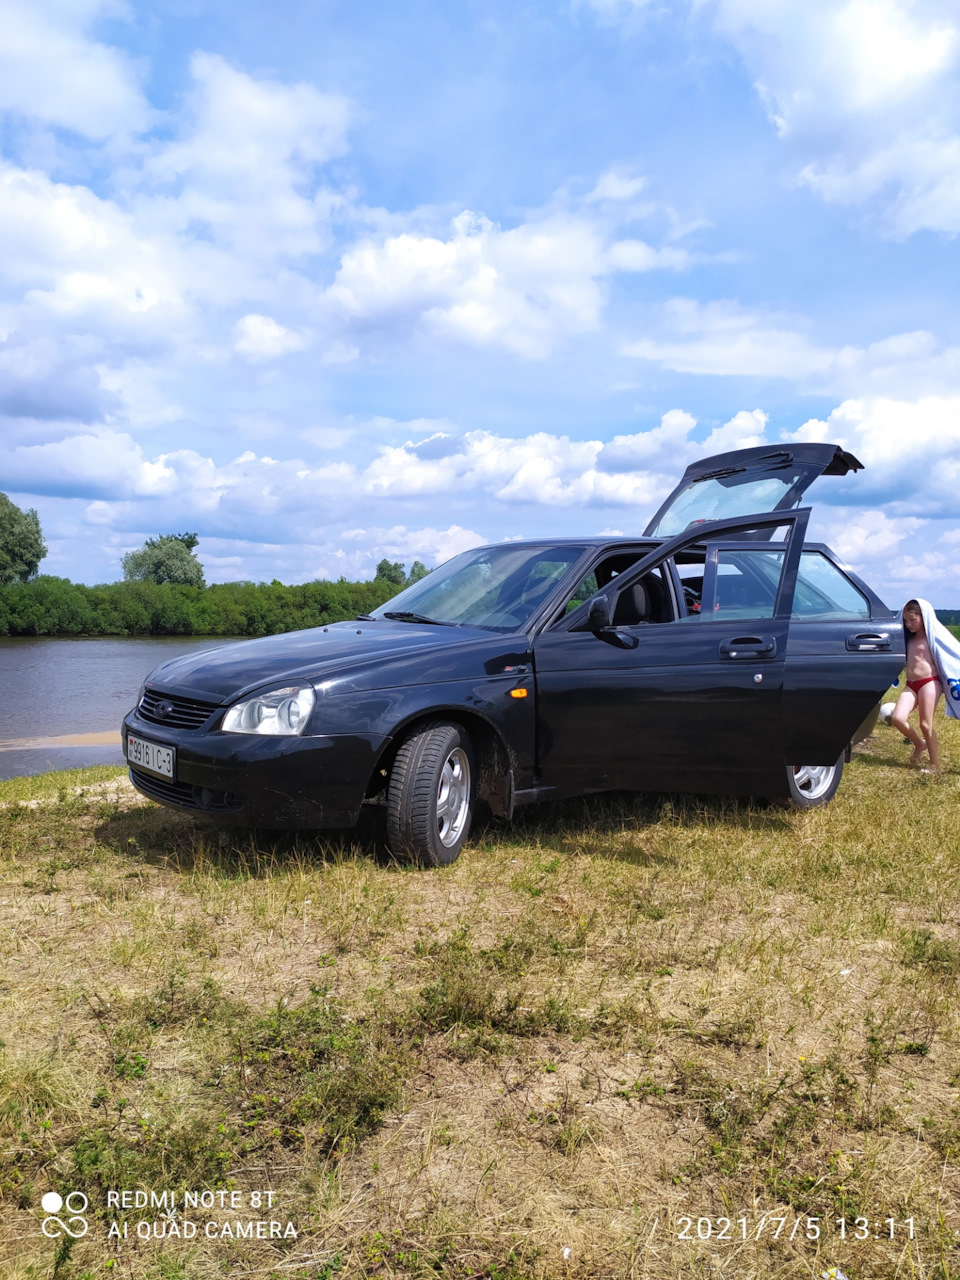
(184, 794)
(165, 789)
(184, 713)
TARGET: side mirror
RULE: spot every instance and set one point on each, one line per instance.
(599, 617)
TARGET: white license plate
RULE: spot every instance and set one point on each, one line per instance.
(151, 756)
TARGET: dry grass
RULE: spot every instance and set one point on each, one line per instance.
(612, 1017)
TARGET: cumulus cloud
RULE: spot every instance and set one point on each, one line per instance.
(860, 536)
(52, 71)
(541, 469)
(70, 251)
(866, 94)
(433, 546)
(261, 338)
(245, 151)
(911, 450)
(221, 213)
(524, 288)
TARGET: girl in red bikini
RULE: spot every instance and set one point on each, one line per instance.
(923, 690)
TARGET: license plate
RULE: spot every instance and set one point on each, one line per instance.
(151, 756)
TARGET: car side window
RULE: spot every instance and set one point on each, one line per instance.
(822, 591)
(746, 583)
(600, 575)
(585, 588)
(646, 601)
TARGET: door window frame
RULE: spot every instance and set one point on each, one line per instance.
(711, 565)
(705, 534)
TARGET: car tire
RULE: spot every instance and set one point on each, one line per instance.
(430, 795)
(812, 785)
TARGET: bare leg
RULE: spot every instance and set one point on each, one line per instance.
(905, 704)
(927, 701)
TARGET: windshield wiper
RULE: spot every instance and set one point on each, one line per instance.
(404, 615)
(365, 617)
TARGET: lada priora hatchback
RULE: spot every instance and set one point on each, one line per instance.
(717, 652)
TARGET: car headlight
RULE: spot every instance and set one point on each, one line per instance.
(281, 712)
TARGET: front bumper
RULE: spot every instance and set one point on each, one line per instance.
(252, 781)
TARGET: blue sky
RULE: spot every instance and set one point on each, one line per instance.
(332, 281)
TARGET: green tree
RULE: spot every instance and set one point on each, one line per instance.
(166, 558)
(21, 543)
(391, 572)
(418, 570)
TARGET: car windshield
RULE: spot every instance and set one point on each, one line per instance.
(725, 497)
(498, 588)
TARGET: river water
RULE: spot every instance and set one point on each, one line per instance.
(61, 701)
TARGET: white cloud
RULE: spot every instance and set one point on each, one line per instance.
(216, 217)
(52, 71)
(726, 339)
(860, 536)
(70, 251)
(523, 289)
(432, 546)
(242, 160)
(868, 92)
(744, 430)
(614, 185)
(635, 255)
(910, 449)
(261, 338)
(541, 469)
(654, 450)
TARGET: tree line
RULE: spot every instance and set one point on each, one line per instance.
(163, 592)
(48, 606)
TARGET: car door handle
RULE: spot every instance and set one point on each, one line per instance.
(749, 647)
(868, 641)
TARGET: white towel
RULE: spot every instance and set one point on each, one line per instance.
(945, 650)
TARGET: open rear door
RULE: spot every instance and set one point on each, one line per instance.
(747, 482)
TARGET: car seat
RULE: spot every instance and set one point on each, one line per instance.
(644, 601)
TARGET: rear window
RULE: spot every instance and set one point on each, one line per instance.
(725, 497)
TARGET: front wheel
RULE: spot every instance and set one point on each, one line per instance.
(811, 785)
(430, 795)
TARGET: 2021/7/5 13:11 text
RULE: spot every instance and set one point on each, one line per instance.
(799, 1228)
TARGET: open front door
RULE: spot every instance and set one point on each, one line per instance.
(745, 481)
(689, 697)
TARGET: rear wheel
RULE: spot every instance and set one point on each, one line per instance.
(813, 784)
(430, 795)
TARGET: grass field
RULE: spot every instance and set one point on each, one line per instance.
(624, 1037)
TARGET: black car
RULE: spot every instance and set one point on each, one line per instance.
(717, 652)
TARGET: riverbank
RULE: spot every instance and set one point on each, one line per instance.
(623, 1036)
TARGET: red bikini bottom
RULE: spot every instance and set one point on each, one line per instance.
(917, 685)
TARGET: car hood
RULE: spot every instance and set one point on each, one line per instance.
(368, 650)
